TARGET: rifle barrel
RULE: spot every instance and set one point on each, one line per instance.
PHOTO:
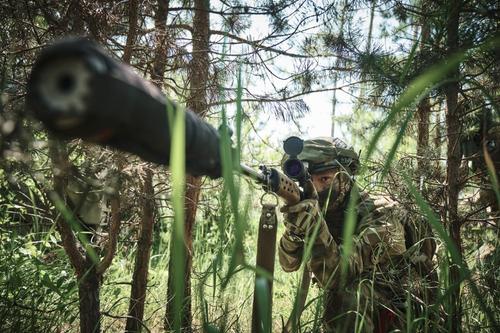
(254, 174)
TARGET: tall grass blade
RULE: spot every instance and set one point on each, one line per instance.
(178, 174)
(350, 223)
(230, 162)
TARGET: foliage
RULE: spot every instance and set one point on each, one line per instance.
(323, 42)
(37, 291)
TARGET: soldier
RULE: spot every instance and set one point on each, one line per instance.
(378, 276)
(482, 144)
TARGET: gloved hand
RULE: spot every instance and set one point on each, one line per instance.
(301, 220)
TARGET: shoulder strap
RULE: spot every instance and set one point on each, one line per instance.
(266, 251)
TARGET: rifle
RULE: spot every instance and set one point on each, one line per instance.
(78, 91)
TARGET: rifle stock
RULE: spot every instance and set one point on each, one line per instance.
(275, 181)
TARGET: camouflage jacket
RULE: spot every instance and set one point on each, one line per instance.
(377, 270)
(378, 242)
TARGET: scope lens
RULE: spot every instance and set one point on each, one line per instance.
(293, 168)
(293, 145)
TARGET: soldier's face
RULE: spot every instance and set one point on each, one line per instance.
(323, 180)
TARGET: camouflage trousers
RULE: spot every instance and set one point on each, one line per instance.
(360, 307)
(378, 304)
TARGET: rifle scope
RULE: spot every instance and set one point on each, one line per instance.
(78, 91)
(293, 167)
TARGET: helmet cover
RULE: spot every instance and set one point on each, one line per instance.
(324, 153)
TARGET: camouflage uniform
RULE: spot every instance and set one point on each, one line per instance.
(480, 146)
(377, 276)
(491, 144)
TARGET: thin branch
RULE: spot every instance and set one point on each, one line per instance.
(113, 235)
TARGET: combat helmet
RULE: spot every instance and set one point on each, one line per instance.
(324, 153)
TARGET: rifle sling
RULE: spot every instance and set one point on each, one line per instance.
(266, 251)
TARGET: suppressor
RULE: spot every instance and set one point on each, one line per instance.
(78, 91)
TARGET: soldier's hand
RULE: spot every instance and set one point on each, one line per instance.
(302, 218)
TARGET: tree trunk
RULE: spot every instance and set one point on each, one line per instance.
(424, 107)
(88, 292)
(157, 76)
(423, 113)
(88, 278)
(197, 102)
(453, 160)
(158, 73)
(141, 266)
(198, 68)
(75, 12)
(140, 276)
(132, 30)
(160, 51)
